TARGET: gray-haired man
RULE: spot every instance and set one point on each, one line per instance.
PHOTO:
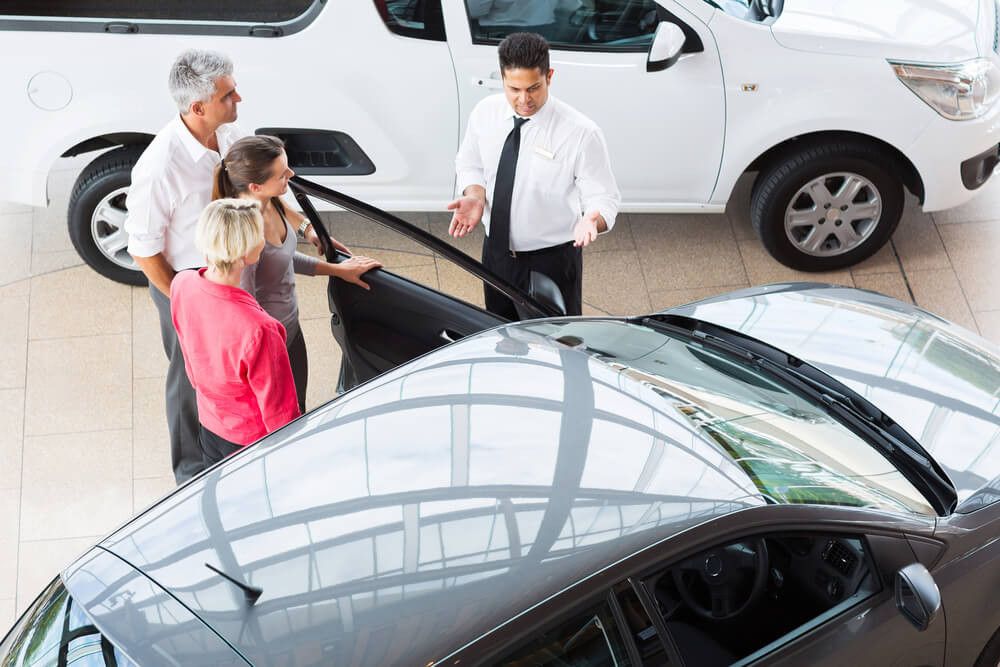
(171, 184)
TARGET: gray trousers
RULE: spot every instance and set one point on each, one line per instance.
(182, 406)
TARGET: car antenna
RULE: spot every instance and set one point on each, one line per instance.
(252, 593)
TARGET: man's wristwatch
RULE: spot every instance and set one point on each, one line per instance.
(304, 226)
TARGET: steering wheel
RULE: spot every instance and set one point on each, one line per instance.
(724, 571)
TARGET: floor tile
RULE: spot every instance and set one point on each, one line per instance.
(883, 261)
(79, 384)
(9, 519)
(56, 311)
(13, 340)
(890, 284)
(591, 310)
(989, 325)
(48, 262)
(58, 468)
(974, 249)
(940, 293)
(40, 562)
(471, 244)
(311, 293)
(762, 269)
(150, 438)
(918, 244)
(150, 489)
(613, 282)
(984, 206)
(148, 358)
(459, 283)
(619, 238)
(15, 247)
(663, 299)
(49, 229)
(11, 436)
(425, 275)
(324, 362)
(17, 288)
(352, 230)
(680, 251)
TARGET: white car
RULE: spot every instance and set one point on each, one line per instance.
(836, 105)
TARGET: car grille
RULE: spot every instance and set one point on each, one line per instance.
(839, 556)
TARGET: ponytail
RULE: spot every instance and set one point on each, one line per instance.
(222, 187)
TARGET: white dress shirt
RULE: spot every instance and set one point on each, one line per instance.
(171, 185)
(563, 170)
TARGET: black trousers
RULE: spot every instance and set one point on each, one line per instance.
(214, 448)
(297, 356)
(562, 263)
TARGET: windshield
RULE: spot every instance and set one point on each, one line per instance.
(792, 449)
(55, 632)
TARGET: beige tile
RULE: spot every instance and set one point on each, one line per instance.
(890, 284)
(18, 288)
(49, 229)
(9, 520)
(471, 244)
(11, 435)
(738, 208)
(663, 299)
(883, 261)
(311, 292)
(148, 358)
(15, 247)
(940, 293)
(974, 249)
(151, 438)
(56, 299)
(13, 340)
(49, 262)
(592, 310)
(459, 283)
(76, 485)
(984, 206)
(395, 259)
(918, 244)
(619, 238)
(352, 231)
(762, 269)
(613, 282)
(7, 614)
(79, 384)
(40, 562)
(324, 362)
(679, 251)
(149, 490)
(423, 275)
(989, 325)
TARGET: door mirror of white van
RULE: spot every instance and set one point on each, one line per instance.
(666, 47)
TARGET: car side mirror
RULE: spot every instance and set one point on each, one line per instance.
(543, 289)
(666, 48)
(917, 595)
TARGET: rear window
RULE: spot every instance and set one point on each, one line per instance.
(55, 632)
(262, 11)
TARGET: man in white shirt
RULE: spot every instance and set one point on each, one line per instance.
(171, 184)
(537, 173)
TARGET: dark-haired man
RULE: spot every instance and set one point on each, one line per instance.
(537, 172)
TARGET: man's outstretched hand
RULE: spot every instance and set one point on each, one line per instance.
(467, 212)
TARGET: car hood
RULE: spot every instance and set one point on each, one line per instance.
(929, 31)
(937, 380)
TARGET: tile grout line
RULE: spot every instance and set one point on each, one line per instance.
(902, 271)
(24, 430)
(961, 287)
(642, 270)
(62, 433)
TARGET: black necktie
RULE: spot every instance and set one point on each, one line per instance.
(503, 190)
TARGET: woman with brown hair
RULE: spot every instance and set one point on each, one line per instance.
(256, 168)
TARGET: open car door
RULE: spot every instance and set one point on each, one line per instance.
(399, 319)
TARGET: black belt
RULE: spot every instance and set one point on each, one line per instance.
(540, 251)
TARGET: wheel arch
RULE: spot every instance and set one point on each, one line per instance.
(902, 164)
(108, 141)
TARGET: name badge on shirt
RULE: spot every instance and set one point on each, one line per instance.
(548, 155)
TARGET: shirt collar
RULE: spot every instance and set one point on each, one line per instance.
(541, 116)
(194, 147)
(227, 292)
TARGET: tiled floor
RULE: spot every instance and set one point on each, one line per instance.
(82, 434)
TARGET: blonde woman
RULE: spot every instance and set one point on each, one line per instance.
(234, 352)
(256, 169)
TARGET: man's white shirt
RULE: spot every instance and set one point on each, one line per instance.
(563, 170)
(171, 185)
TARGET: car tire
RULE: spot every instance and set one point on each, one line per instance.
(96, 215)
(803, 210)
(990, 657)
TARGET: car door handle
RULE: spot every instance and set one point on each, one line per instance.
(449, 336)
(494, 81)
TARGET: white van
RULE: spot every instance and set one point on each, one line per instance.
(837, 105)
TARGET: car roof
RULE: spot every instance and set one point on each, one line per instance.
(430, 505)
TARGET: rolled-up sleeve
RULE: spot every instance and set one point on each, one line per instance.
(595, 180)
(469, 161)
(149, 212)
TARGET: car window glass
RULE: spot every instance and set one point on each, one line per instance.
(421, 19)
(55, 632)
(603, 25)
(644, 635)
(745, 599)
(589, 639)
(262, 11)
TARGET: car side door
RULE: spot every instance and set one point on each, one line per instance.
(398, 318)
(664, 124)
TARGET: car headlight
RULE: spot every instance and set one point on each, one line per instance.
(958, 92)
